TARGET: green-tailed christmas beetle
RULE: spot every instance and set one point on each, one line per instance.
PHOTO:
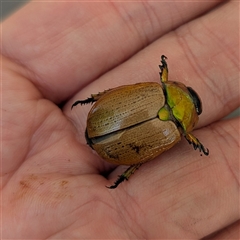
(132, 124)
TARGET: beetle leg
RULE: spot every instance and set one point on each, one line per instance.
(164, 69)
(86, 101)
(126, 175)
(92, 99)
(196, 143)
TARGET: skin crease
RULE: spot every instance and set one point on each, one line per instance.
(53, 184)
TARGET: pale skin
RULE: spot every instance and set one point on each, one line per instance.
(53, 184)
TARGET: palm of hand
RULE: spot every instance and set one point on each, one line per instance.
(53, 184)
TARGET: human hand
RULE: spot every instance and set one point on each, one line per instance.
(53, 184)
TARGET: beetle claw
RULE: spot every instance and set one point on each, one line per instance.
(196, 144)
(163, 69)
(126, 175)
(204, 150)
(120, 179)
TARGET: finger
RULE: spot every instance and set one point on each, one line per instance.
(230, 232)
(212, 73)
(67, 45)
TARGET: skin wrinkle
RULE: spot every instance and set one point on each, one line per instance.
(221, 43)
(32, 126)
(15, 66)
(182, 178)
(190, 228)
(125, 215)
(180, 169)
(120, 203)
(174, 204)
(130, 23)
(193, 230)
(23, 139)
(36, 123)
(179, 190)
(91, 202)
(230, 232)
(199, 71)
(40, 126)
(225, 158)
(151, 14)
(230, 106)
(177, 203)
(215, 89)
(192, 60)
(137, 230)
(182, 19)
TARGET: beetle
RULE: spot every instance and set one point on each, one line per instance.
(132, 124)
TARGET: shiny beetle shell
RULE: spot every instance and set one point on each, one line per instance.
(132, 124)
(124, 127)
